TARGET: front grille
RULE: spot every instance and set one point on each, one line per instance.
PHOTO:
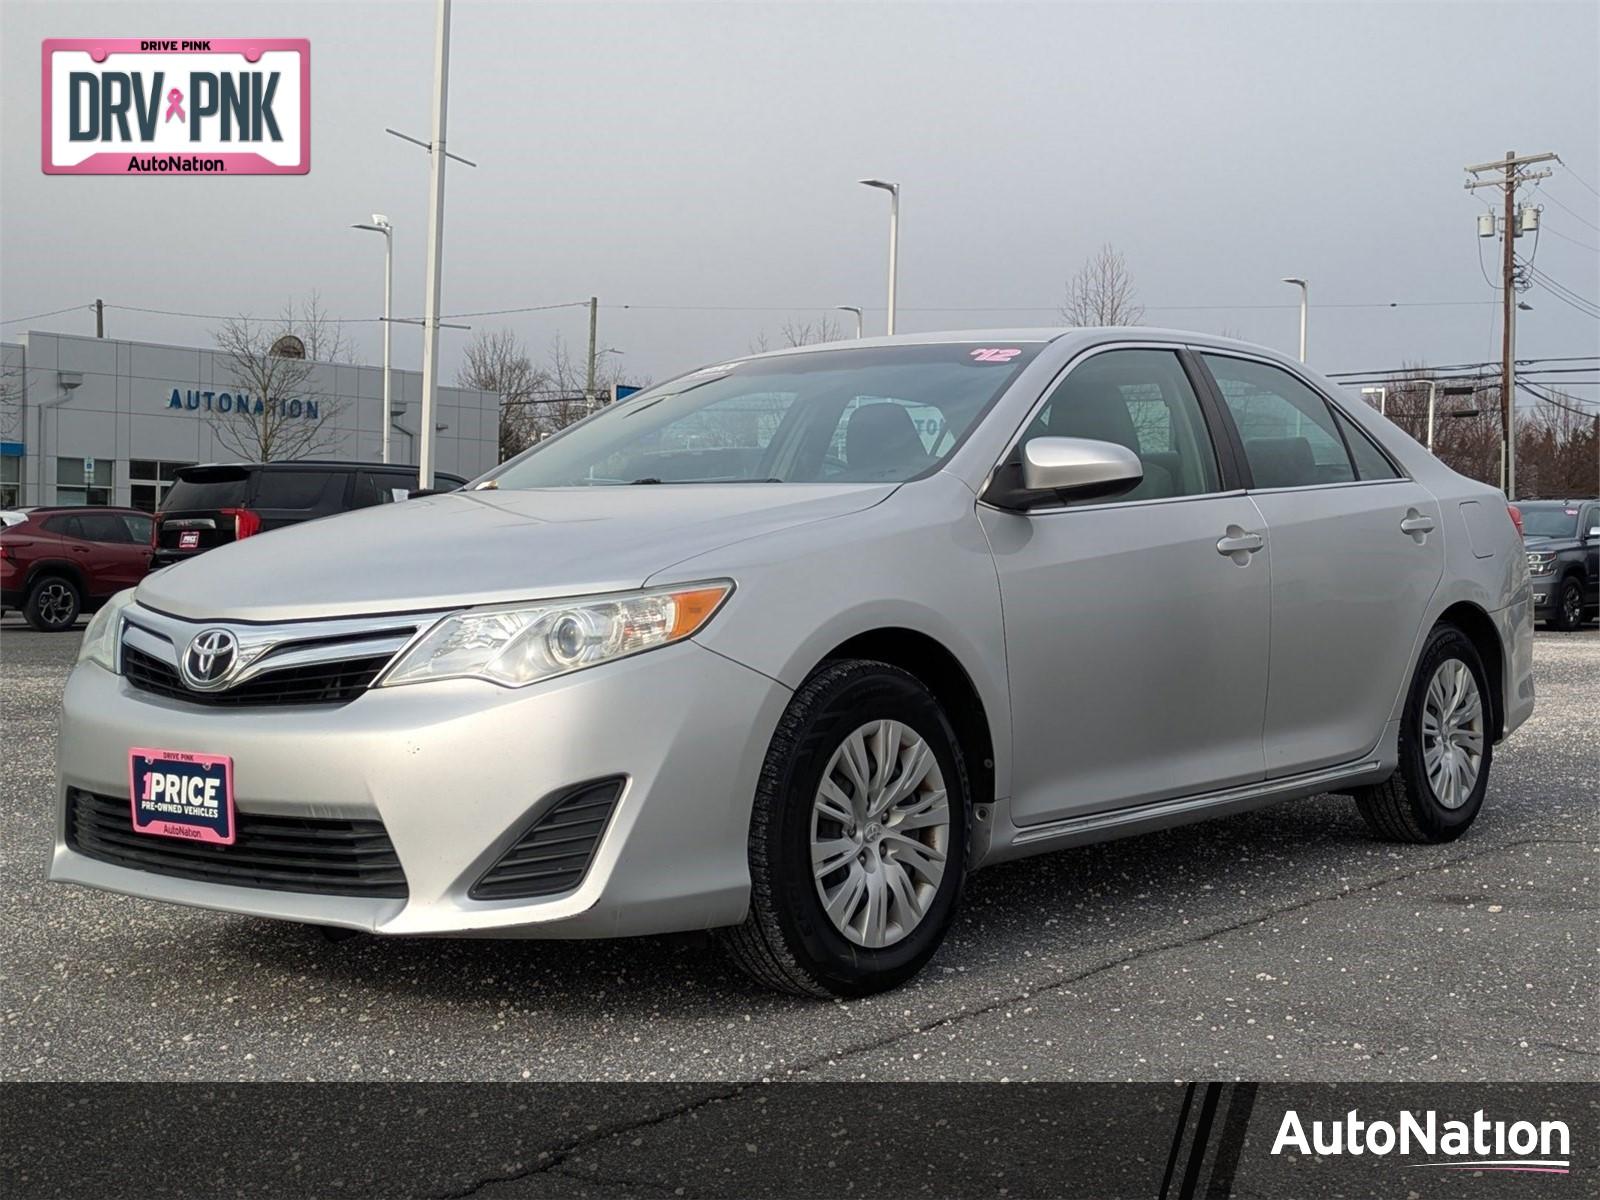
(553, 855)
(285, 854)
(319, 683)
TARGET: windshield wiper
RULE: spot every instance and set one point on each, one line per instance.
(654, 479)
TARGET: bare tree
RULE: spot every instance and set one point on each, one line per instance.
(322, 335)
(1101, 293)
(10, 394)
(271, 414)
(499, 363)
(825, 328)
(1557, 445)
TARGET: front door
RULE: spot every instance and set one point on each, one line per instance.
(1136, 629)
(1357, 551)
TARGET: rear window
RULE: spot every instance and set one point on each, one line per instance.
(211, 490)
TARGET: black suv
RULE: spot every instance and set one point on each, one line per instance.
(1563, 542)
(210, 506)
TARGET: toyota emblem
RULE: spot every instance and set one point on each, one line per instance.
(210, 658)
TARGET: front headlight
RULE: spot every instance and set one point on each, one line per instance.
(515, 645)
(100, 639)
(1541, 563)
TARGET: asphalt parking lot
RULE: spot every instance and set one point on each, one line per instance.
(1281, 945)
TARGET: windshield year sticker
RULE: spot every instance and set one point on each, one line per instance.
(992, 354)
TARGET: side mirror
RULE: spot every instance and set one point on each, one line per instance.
(1593, 533)
(1053, 469)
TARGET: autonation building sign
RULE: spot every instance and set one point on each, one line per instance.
(243, 404)
(101, 421)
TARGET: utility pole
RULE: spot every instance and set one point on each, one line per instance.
(99, 318)
(594, 323)
(430, 316)
(1507, 174)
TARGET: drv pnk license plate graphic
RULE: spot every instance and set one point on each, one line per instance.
(168, 106)
(181, 795)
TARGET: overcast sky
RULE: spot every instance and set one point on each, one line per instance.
(703, 158)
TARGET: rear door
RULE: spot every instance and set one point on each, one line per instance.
(200, 510)
(1355, 551)
(116, 558)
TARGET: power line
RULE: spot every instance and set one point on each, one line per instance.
(41, 316)
(1578, 177)
(1564, 238)
(1556, 200)
(1548, 399)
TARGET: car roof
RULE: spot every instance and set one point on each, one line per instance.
(314, 464)
(1026, 334)
(46, 510)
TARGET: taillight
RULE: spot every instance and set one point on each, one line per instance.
(1516, 517)
(245, 522)
(7, 553)
(155, 534)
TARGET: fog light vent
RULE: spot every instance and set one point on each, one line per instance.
(553, 854)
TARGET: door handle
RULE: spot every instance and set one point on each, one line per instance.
(1239, 544)
(1416, 523)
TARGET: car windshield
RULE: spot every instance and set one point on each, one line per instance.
(875, 414)
(1549, 520)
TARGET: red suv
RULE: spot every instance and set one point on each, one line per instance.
(61, 562)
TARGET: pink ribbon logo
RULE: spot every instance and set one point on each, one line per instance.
(175, 105)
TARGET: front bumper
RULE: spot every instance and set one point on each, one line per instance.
(450, 768)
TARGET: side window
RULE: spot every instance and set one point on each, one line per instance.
(369, 490)
(104, 527)
(300, 490)
(1290, 439)
(1140, 399)
(138, 528)
(68, 526)
(1370, 461)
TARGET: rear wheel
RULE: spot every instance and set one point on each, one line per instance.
(1569, 604)
(53, 604)
(1446, 748)
(858, 836)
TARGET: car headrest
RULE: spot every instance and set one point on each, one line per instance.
(1280, 462)
(1093, 410)
(880, 437)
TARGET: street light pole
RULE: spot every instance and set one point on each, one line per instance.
(380, 224)
(850, 308)
(430, 316)
(1305, 299)
(894, 237)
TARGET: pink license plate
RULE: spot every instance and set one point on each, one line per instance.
(181, 795)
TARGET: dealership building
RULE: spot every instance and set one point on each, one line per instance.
(98, 421)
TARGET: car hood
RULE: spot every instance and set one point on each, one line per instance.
(1550, 543)
(484, 547)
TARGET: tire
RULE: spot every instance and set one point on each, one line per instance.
(1407, 807)
(789, 941)
(1569, 605)
(53, 604)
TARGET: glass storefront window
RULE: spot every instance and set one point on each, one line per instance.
(10, 481)
(149, 480)
(74, 485)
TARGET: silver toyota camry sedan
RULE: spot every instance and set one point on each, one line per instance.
(789, 646)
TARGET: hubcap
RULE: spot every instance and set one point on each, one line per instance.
(880, 833)
(55, 603)
(1452, 733)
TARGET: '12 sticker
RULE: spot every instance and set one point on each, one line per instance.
(995, 355)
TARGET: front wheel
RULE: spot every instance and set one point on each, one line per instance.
(858, 836)
(1446, 748)
(1569, 605)
(53, 604)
